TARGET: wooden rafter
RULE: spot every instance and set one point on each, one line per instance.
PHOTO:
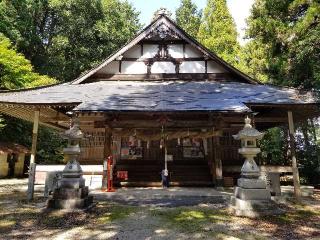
(47, 117)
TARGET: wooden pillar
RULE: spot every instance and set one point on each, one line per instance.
(218, 162)
(295, 172)
(211, 158)
(106, 153)
(32, 166)
(34, 136)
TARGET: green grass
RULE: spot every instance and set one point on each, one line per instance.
(6, 224)
(190, 220)
(18, 214)
(298, 213)
(110, 213)
(201, 220)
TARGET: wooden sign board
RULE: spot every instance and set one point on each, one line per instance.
(123, 175)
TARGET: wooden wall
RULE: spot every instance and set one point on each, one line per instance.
(134, 61)
(229, 149)
(4, 165)
(92, 148)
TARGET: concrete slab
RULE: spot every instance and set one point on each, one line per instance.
(154, 192)
(170, 197)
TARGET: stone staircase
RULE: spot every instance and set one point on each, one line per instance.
(144, 174)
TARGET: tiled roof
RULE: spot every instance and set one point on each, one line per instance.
(12, 148)
(159, 96)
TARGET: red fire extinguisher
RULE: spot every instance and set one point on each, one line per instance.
(110, 175)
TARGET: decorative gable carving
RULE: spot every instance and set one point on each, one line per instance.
(162, 32)
(162, 55)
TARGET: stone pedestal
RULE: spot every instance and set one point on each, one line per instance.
(64, 198)
(71, 192)
(252, 199)
(251, 196)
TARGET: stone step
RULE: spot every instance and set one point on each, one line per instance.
(159, 184)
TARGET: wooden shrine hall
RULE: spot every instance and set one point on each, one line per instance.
(163, 97)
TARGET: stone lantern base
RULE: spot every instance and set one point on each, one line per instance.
(71, 192)
(70, 198)
(252, 199)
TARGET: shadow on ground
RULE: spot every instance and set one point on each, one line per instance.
(132, 219)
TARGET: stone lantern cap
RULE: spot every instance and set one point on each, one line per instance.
(74, 133)
(248, 132)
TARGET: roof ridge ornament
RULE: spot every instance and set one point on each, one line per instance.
(248, 132)
(247, 122)
(162, 12)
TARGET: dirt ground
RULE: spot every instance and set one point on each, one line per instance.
(111, 220)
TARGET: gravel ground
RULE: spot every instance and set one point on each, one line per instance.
(163, 216)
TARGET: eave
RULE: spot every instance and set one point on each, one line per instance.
(51, 115)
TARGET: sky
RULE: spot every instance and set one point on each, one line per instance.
(240, 10)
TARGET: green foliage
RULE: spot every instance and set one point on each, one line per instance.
(188, 17)
(285, 43)
(254, 60)
(65, 38)
(308, 153)
(16, 130)
(16, 71)
(88, 31)
(50, 144)
(50, 152)
(284, 49)
(218, 31)
(275, 151)
(273, 147)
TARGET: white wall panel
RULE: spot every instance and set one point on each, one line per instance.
(191, 52)
(163, 67)
(213, 67)
(176, 50)
(134, 52)
(111, 68)
(149, 50)
(133, 67)
(193, 67)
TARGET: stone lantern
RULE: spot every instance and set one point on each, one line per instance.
(248, 137)
(71, 192)
(251, 196)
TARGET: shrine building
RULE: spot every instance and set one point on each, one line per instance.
(162, 99)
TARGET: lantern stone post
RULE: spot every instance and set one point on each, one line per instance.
(251, 197)
(71, 192)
